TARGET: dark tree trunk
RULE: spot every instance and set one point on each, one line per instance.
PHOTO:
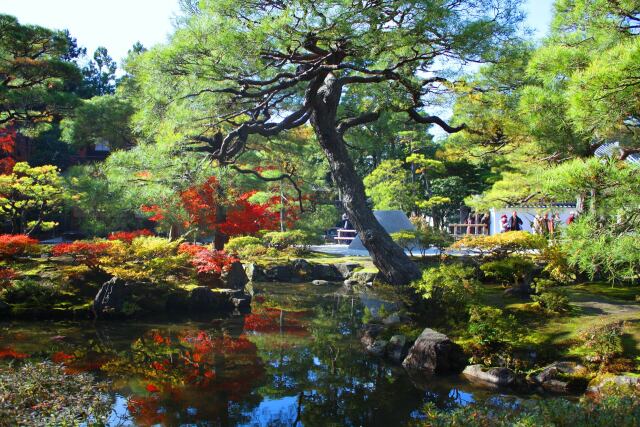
(396, 267)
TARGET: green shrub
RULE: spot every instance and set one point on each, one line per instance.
(250, 252)
(512, 270)
(433, 237)
(618, 408)
(450, 286)
(287, 239)
(406, 239)
(152, 259)
(551, 298)
(32, 293)
(604, 341)
(503, 244)
(43, 394)
(491, 328)
(235, 244)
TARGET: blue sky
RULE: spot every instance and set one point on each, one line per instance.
(118, 24)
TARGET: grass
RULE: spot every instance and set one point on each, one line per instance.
(624, 293)
(558, 336)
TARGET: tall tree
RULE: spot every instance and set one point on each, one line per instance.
(37, 74)
(249, 68)
(99, 75)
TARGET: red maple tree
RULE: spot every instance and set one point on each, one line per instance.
(7, 150)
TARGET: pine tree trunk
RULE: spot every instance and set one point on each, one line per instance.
(395, 266)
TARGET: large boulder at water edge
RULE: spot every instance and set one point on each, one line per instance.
(236, 277)
(434, 352)
(111, 298)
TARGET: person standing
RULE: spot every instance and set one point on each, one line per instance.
(548, 219)
(485, 221)
(515, 222)
(537, 225)
(504, 223)
(572, 218)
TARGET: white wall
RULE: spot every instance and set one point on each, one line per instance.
(527, 215)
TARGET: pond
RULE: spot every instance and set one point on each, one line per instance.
(295, 360)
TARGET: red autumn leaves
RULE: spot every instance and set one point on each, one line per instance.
(7, 150)
(211, 208)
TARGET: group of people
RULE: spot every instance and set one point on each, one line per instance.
(546, 224)
(478, 226)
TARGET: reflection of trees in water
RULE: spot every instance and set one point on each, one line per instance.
(334, 381)
(173, 375)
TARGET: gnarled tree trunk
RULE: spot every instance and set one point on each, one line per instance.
(393, 263)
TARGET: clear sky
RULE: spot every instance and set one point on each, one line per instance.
(118, 24)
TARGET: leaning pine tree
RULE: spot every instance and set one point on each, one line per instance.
(247, 70)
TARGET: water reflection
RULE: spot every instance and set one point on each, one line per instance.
(295, 360)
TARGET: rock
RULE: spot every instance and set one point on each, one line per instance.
(322, 283)
(434, 352)
(364, 277)
(346, 268)
(615, 380)
(254, 273)
(378, 348)
(326, 272)
(392, 319)
(370, 332)
(548, 379)
(279, 273)
(203, 300)
(302, 270)
(236, 277)
(5, 309)
(502, 377)
(349, 283)
(110, 299)
(397, 348)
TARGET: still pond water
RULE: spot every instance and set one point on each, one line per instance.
(295, 360)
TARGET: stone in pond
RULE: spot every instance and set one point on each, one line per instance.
(501, 377)
(392, 319)
(378, 348)
(322, 282)
(397, 348)
(346, 268)
(434, 352)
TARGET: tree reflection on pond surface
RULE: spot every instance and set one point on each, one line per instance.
(296, 359)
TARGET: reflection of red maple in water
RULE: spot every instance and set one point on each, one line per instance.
(194, 356)
(269, 319)
(9, 353)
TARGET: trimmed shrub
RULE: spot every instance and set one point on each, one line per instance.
(85, 253)
(207, 260)
(152, 259)
(502, 245)
(406, 239)
(15, 245)
(552, 299)
(604, 341)
(287, 239)
(450, 286)
(128, 236)
(510, 271)
(236, 244)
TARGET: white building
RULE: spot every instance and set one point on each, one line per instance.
(528, 212)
